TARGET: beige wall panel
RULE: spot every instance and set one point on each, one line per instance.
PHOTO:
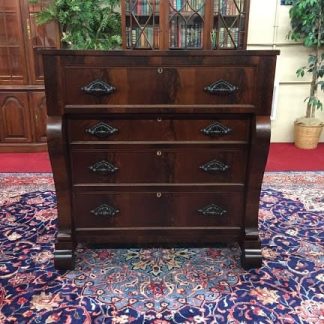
(283, 25)
(261, 22)
(269, 25)
(259, 48)
(290, 59)
(291, 105)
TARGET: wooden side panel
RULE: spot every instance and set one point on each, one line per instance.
(15, 117)
(58, 152)
(38, 108)
(260, 141)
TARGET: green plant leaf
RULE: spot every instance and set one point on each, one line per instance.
(85, 24)
(301, 71)
(307, 27)
(321, 84)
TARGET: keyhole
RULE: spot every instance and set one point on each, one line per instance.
(158, 194)
(160, 70)
(158, 153)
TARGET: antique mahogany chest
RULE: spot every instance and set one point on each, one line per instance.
(158, 147)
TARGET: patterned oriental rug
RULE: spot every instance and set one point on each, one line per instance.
(162, 286)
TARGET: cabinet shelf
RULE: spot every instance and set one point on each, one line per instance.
(185, 24)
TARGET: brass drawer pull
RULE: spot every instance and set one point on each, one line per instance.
(105, 210)
(103, 167)
(159, 194)
(159, 153)
(101, 130)
(98, 88)
(214, 166)
(221, 87)
(216, 129)
(212, 210)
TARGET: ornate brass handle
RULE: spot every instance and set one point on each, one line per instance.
(103, 167)
(101, 130)
(221, 87)
(98, 88)
(214, 166)
(216, 129)
(212, 210)
(105, 210)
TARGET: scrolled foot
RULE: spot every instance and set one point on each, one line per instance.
(251, 254)
(64, 256)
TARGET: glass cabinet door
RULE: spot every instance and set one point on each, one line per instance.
(186, 23)
(39, 36)
(13, 67)
(228, 24)
(142, 24)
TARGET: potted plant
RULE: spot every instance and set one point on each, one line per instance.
(85, 24)
(307, 26)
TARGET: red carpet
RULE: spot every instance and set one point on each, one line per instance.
(25, 162)
(282, 157)
(287, 157)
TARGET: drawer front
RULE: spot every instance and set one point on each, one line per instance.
(158, 128)
(161, 164)
(160, 85)
(157, 209)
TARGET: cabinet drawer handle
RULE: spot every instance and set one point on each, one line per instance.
(212, 210)
(101, 130)
(221, 87)
(216, 129)
(98, 88)
(103, 167)
(105, 210)
(214, 166)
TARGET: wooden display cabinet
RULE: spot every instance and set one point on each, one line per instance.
(184, 24)
(22, 97)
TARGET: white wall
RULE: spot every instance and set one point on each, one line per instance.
(268, 29)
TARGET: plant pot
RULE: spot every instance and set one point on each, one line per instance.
(307, 137)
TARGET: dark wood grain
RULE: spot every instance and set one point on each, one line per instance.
(160, 127)
(160, 164)
(260, 141)
(157, 209)
(160, 85)
(156, 131)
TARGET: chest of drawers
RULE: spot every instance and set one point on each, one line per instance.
(158, 148)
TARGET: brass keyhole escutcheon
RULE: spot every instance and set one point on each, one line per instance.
(159, 119)
(158, 153)
(160, 70)
(158, 194)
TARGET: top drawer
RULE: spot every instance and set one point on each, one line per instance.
(160, 85)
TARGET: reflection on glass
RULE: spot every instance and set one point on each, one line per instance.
(186, 23)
